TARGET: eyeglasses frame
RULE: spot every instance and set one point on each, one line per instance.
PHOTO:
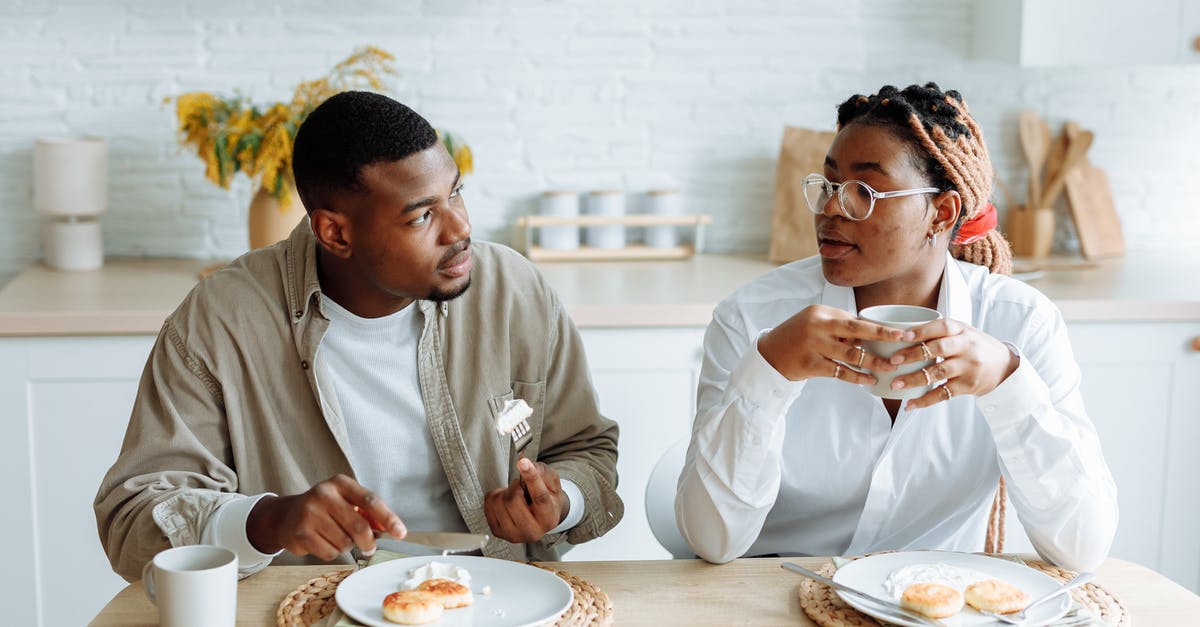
(875, 195)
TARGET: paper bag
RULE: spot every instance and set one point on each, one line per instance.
(802, 153)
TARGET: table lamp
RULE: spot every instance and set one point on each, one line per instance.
(70, 186)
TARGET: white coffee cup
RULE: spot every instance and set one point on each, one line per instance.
(902, 317)
(193, 586)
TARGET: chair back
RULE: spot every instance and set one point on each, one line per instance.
(660, 501)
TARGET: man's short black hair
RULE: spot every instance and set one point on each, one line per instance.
(348, 131)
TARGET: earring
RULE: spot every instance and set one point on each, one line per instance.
(931, 239)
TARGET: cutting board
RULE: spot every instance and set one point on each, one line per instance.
(1097, 224)
(793, 235)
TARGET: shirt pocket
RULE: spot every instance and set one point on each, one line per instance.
(534, 395)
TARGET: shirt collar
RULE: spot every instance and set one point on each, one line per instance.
(304, 284)
(954, 298)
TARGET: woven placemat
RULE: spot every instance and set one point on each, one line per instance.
(314, 601)
(310, 602)
(827, 609)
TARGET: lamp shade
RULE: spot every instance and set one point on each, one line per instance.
(70, 176)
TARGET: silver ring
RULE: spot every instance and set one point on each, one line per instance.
(928, 379)
(837, 370)
(928, 353)
(949, 394)
(862, 354)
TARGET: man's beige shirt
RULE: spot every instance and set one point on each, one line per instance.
(229, 402)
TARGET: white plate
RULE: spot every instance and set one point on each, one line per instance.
(869, 573)
(521, 594)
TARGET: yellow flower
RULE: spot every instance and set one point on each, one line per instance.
(231, 135)
(464, 159)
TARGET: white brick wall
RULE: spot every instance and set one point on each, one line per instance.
(579, 93)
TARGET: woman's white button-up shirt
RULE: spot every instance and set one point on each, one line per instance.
(817, 467)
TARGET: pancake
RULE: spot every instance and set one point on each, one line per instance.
(932, 599)
(451, 593)
(995, 595)
(412, 607)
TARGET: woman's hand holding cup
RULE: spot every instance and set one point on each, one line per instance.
(822, 341)
(971, 361)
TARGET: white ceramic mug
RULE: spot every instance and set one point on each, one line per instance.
(897, 317)
(193, 586)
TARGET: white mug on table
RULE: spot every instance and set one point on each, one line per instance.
(902, 317)
(193, 586)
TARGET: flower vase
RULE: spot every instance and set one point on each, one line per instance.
(269, 222)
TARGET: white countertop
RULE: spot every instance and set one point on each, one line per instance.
(134, 296)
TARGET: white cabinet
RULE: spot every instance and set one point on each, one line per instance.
(646, 380)
(1141, 387)
(65, 403)
(1086, 32)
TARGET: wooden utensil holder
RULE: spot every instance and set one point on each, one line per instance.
(1031, 232)
(526, 225)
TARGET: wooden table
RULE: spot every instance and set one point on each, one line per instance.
(683, 592)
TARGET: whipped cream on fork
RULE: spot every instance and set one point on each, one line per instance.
(512, 414)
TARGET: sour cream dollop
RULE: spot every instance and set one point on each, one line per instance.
(436, 570)
(945, 574)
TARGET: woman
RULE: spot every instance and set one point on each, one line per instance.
(790, 453)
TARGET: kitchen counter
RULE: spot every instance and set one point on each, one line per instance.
(133, 296)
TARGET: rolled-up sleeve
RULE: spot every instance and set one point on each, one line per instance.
(173, 470)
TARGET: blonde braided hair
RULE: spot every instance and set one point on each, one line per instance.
(956, 157)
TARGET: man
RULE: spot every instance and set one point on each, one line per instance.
(355, 371)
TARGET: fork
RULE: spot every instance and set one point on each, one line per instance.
(522, 435)
(1020, 617)
(520, 431)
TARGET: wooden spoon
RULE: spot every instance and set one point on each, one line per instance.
(1058, 150)
(1077, 148)
(1035, 142)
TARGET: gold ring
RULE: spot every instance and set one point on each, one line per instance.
(837, 371)
(862, 354)
(949, 395)
(928, 353)
(928, 379)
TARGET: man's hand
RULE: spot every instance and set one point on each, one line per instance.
(529, 506)
(326, 521)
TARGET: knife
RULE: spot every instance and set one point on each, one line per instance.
(447, 541)
(880, 605)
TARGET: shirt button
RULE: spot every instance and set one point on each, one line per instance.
(777, 393)
(304, 364)
(990, 409)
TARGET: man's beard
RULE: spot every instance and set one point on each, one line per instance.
(438, 296)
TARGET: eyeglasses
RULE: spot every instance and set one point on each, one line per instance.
(856, 199)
